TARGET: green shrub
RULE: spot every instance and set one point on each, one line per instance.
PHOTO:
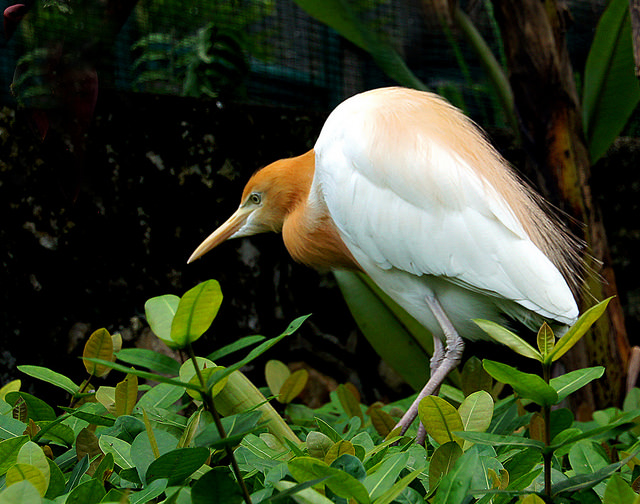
(203, 433)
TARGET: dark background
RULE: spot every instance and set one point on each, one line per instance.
(92, 228)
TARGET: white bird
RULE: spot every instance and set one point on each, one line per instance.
(403, 186)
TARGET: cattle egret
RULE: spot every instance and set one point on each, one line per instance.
(404, 187)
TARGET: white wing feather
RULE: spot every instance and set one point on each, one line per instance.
(425, 212)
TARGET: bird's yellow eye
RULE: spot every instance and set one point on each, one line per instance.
(255, 198)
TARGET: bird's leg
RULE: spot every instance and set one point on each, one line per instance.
(437, 357)
(436, 360)
(441, 365)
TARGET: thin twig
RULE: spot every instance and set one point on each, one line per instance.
(210, 406)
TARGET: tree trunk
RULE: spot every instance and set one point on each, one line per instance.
(547, 103)
(634, 10)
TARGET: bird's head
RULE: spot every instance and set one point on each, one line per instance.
(271, 194)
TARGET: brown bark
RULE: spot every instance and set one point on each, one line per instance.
(547, 102)
(634, 10)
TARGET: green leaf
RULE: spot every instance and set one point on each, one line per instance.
(527, 385)
(342, 484)
(276, 372)
(560, 420)
(382, 421)
(440, 419)
(236, 427)
(349, 402)
(78, 471)
(9, 449)
(476, 412)
(546, 340)
(22, 492)
(348, 22)
(162, 395)
(159, 312)
(145, 374)
(87, 416)
(531, 499)
(116, 495)
(235, 346)
(521, 464)
(611, 92)
(240, 393)
(10, 427)
(131, 475)
(442, 460)
(570, 382)
(586, 457)
(177, 465)
(474, 377)
(454, 487)
(89, 492)
(386, 475)
(142, 450)
(577, 330)
(618, 491)
(378, 317)
(619, 422)
(127, 428)
(106, 465)
(632, 400)
(318, 444)
(56, 481)
(154, 361)
(49, 376)
(582, 481)
(21, 472)
(303, 492)
(327, 430)
(149, 493)
(187, 373)
(487, 438)
(196, 311)
(508, 338)
(121, 450)
(293, 386)
(12, 386)
(216, 487)
(98, 346)
(126, 395)
(339, 449)
(30, 453)
(37, 409)
(262, 348)
(55, 432)
(351, 465)
(398, 487)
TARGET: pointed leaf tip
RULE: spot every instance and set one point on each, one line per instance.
(508, 338)
(577, 330)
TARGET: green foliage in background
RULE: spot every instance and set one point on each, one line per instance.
(200, 432)
(200, 49)
(611, 92)
(610, 89)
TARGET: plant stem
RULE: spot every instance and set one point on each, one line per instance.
(547, 456)
(77, 395)
(210, 406)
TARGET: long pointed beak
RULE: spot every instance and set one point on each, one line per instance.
(231, 226)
